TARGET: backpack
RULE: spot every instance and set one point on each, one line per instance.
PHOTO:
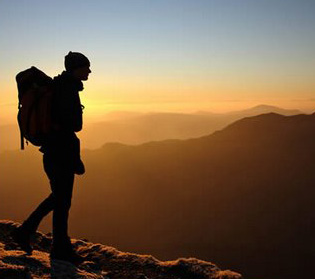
(35, 92)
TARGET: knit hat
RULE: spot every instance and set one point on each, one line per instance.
(75, 60)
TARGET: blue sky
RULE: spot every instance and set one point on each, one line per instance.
(202, 50)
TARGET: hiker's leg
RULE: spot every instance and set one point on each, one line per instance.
(62, 191)
(32, 222)
(59, 169)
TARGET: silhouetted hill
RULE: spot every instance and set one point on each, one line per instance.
(103, 262)
(263, 109)
(137, 128)
(242, 197)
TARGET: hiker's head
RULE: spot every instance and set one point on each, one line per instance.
(78, 65)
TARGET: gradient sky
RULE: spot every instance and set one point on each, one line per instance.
(175, 55)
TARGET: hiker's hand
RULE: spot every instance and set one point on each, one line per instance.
(79, 167)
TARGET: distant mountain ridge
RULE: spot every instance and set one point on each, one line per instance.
(137, 128)
(161, 126)
(274, 124)
(262, 109)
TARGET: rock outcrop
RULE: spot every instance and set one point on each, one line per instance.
(102, 262)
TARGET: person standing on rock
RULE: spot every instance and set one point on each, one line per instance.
(61, 158)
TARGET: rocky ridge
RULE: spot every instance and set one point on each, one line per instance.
(102, 262)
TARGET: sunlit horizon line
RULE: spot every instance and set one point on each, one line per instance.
(93, 115)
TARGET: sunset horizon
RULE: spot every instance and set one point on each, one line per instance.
(179, 132)
(168, 56)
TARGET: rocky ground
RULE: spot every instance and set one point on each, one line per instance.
(102, 262)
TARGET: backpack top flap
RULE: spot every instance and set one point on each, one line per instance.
(29, 79)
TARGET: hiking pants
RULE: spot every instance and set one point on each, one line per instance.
(59, 169)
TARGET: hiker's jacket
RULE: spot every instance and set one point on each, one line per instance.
(67, 118)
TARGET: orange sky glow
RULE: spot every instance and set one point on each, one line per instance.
(167, 56)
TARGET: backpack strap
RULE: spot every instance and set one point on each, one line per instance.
(21, 133)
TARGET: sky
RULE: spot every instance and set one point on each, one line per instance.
(158, 55)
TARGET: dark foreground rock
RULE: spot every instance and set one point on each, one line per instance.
(102, 262)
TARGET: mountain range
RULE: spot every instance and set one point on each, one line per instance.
(137, 128)
(242, 196)
(132, 128)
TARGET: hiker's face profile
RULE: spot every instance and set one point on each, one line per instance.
(82, 73)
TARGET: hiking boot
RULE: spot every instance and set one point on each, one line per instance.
(23, 239)
(70, 257)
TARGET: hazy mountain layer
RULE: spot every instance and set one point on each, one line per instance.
(136, 128)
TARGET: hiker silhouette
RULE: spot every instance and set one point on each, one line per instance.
(61, 159)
